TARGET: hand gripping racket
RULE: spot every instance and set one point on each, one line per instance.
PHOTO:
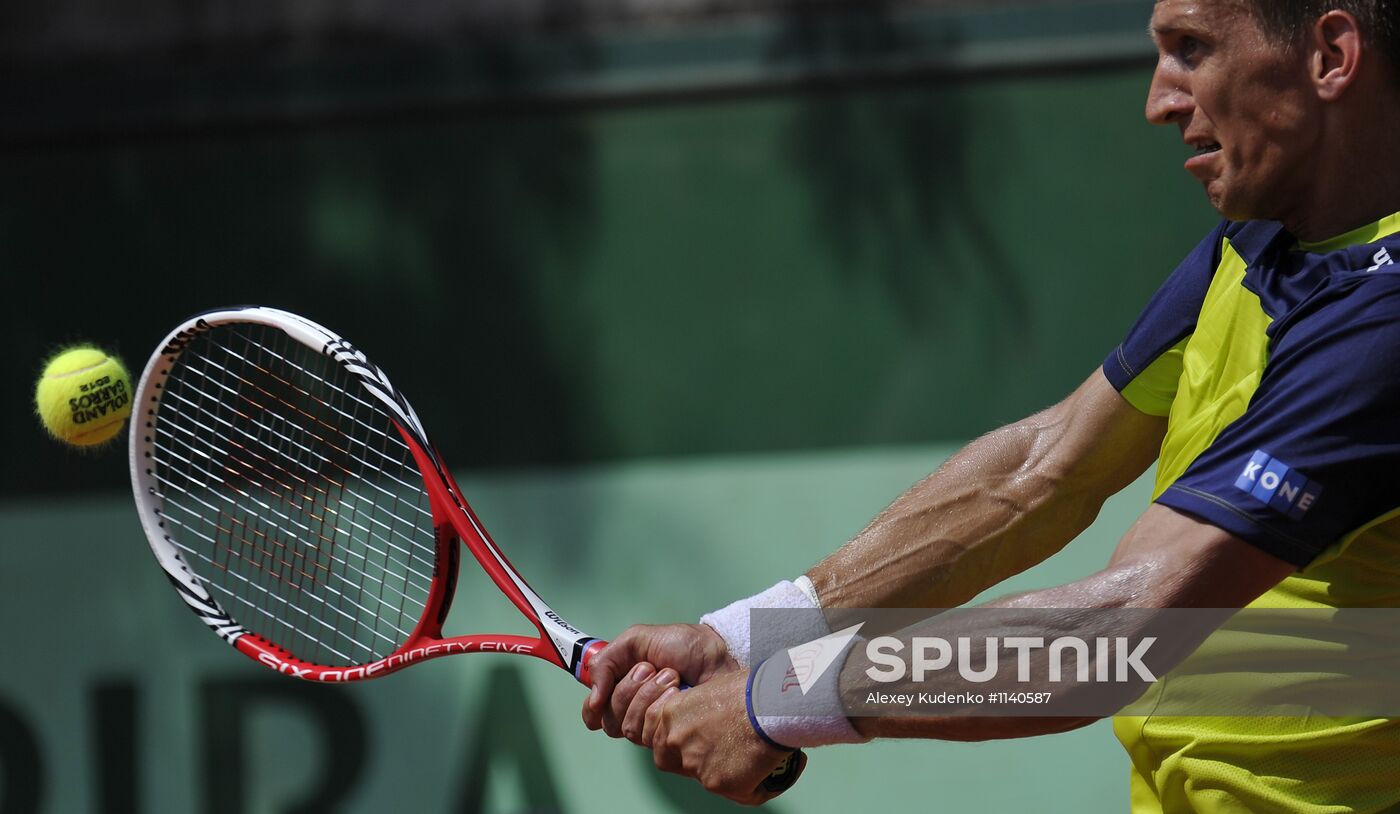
(293, 499)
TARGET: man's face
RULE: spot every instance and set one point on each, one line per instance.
(1243, 105)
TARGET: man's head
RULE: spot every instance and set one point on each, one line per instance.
(1261, 89)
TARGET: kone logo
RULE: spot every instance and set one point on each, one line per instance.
(1275, 484)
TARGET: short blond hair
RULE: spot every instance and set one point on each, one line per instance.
(1288, 21)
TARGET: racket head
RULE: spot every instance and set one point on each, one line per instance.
(290, 494)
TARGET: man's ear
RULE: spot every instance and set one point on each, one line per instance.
(1336, 47)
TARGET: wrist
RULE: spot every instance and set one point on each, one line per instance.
(733, 621)
(758, 728)
(715, 652)
(793, 697)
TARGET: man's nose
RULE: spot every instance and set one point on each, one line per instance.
(1168, 99)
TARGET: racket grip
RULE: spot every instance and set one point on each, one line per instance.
(783, 776)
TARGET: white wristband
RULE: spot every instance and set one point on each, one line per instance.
(794, 698)
(809, 589)
(732, 620)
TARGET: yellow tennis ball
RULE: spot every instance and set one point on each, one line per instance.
(84, 397)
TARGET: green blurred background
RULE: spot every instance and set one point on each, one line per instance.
(687, 292)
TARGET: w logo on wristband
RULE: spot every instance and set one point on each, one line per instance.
(810, 661)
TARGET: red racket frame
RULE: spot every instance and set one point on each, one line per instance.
(558, 642)
(454, 521)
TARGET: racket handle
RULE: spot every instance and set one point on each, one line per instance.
(783, 776)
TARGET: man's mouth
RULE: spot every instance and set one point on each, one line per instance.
(1202, 156)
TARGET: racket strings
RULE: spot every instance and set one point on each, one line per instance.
(319, 439)
(296, 492)
(282, 434)
(306, 532)
(357, 518)
(252, 555)
(322, 497)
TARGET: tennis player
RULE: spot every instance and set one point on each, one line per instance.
(1263, 379)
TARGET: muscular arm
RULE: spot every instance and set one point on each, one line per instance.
(1004, 503)
(1001, 505)
(1166, 560)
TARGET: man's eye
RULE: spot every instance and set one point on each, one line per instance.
(1188, 48)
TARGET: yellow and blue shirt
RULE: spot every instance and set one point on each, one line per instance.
(1277, 366)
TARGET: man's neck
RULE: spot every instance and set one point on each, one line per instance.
(1322, 223)
(1357, 177)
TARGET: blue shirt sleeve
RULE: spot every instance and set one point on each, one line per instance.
(1170, 316)
(1315, 455)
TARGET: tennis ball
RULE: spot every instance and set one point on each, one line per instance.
(84, 397)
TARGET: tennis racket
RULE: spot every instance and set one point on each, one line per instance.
(292, 497)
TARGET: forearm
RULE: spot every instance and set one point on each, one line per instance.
(1004, 503)
(1031, 616)
(1166, 561)
(962, 529)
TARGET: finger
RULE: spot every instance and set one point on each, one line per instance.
(647, 692)
(622, 696)
(665, 754)
(648, 719)
(611, 663)
(627, 689)
(595, 703)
